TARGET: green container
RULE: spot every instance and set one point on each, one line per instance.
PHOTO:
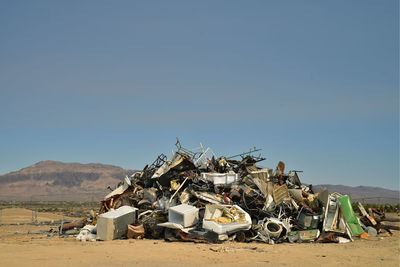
(350, 216)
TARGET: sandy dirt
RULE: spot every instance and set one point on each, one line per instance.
(18, 248)
(20, 215)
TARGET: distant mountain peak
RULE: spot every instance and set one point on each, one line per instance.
(66, 181)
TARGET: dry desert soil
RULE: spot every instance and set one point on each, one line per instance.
(19, 248)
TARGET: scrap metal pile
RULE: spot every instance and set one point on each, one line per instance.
(196, 196)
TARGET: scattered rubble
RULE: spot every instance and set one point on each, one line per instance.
(198, 197)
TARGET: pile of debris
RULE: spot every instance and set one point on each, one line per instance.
(196, 196)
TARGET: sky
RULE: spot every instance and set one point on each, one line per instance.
(312, 83)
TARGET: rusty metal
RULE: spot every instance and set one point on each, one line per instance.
(327, 238)
(280, 169)
(247, 153)
(72, 225)
(364, 213)
(114, 202)
(280, 194)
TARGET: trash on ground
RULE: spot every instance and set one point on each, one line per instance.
(198, 197)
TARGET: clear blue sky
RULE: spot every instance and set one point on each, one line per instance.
(312, 83)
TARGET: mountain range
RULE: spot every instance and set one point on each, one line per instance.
(54, 180)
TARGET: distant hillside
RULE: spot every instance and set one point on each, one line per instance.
(367, 194)
(53, 180)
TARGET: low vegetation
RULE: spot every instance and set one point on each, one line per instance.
(67, 208)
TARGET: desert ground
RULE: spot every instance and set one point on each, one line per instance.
(23, 245)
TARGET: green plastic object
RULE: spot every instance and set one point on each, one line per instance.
(350, 216)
